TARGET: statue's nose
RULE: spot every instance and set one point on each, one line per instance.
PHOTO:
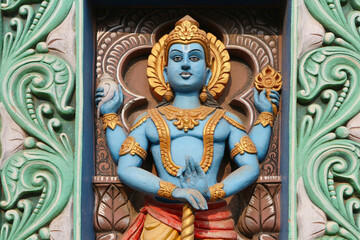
(185, 65)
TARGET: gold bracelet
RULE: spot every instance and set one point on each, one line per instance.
(131, 146)
(245, 145)
(217, 192)
(265, 118)
(110, 120)
(166, 189)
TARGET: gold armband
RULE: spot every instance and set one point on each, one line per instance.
(110, 120)
(245, 145)
(217, 192)
(166, 189)
(131, 146)
(265, 118)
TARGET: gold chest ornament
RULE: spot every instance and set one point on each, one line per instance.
(185, 119)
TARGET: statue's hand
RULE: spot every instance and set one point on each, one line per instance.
(262, 104)
(193, 176)
(191, 196)
(111, 102)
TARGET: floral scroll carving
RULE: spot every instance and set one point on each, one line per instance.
(36, 90)
(328, 81)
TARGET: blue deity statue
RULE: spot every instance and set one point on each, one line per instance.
(187, 134)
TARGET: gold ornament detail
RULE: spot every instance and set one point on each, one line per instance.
(203, 95)
(186, 119)
(166, 189)
(208, 139)
(269, 79)
(245, 145)
(140, 122)
(217, 56)
(165, 140)
(110, 120)
(168, 94)
(234, 123)
(265, 118)
(217, 192)
(131, 146)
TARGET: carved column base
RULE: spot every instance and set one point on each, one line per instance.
(108, 236)
(111, 213)
(266, 236)
(261, 218)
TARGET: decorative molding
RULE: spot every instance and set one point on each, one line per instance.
(353, 126)
(61, 227)
(311, 32)
(328, 80)
(111, 213)
(61, 41)
(262, 215)
(271, 164)
(104, 165)
(37, 89)
(12, 136)
(311, 220)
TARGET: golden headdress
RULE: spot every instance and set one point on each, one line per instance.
(187, 31)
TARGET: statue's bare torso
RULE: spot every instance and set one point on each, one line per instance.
(188, 144)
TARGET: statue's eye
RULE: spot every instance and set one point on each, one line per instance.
(177, 59)
(194, 59)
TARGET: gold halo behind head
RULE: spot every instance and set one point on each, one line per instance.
(187, 31)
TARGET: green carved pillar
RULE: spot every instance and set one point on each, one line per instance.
(325, 149)
(40, 125)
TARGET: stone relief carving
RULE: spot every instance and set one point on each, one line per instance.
(112, 212)
(311, 220)
(311, 32)
(327, 156)
(37, 91)
(125, 34)
(12, 136)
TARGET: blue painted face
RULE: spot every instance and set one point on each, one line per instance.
(186, 70)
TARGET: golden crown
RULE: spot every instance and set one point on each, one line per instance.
(187, 31)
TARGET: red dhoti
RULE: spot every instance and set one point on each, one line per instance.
(214, 223)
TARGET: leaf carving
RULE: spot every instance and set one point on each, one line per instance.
(259, 215)
(112, 212)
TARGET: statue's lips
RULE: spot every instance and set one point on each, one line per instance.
(185, 75)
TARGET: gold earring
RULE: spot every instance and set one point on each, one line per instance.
(203, 94)
(168, 94)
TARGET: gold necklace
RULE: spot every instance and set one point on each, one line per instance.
(186, 119)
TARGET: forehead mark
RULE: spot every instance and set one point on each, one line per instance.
(185, 48)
